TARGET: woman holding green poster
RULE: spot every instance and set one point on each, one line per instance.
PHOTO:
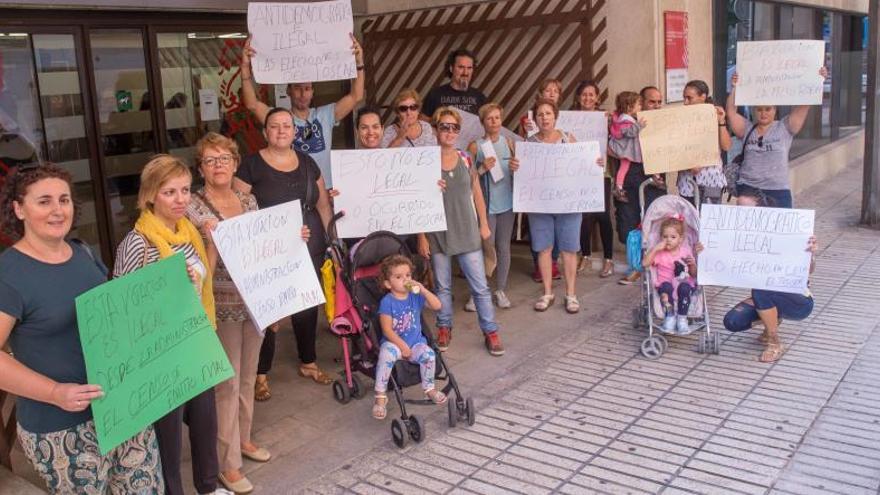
(40, 276)
(163, 230)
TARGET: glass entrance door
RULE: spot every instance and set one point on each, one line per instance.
(42, 117)
(125, 122)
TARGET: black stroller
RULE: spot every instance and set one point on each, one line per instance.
(356, 323)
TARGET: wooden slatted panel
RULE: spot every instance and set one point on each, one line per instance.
(518, 43)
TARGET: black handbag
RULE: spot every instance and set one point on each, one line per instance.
(732, 168)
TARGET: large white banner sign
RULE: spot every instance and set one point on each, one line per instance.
(388, 189)
(585, 126)
(755, 248)
(780, 72)
(269, 262)
(301, 42)
(558, 178)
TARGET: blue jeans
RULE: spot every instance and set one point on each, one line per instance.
(475, 272)
(684, 292)
(788, 306)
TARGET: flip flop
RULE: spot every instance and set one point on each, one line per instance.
(771, 354)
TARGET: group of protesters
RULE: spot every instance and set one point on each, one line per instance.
(43, 272)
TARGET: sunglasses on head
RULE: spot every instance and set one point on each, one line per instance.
(413, 108)
(448, 127)
(760, 141)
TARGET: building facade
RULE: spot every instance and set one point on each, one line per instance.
(99, 86)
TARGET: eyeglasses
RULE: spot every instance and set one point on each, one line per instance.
(448, 127)
(218, 161)
(412, 108)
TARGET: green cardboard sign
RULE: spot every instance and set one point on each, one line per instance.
(148, 342)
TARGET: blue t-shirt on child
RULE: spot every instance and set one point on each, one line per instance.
(406, 317)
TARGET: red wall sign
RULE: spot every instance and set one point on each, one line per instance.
(675, 26)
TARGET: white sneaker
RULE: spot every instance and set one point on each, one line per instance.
(681, 325)
(669, 323)
(222, 491)
(469, 306)
(501, 299)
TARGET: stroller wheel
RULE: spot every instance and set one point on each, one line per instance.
(470, 411)
(663, 342)
(357, 388)
(398, 434)
(652, 347)
(716, 343)
(340, 392)
(703, 344)
(453, 412)
(416, 429)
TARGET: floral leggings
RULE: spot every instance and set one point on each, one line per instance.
(422, 354)
(70, 463)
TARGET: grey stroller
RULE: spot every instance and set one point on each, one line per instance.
(650, 313)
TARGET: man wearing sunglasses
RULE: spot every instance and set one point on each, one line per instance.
(458, 92)
(314, 125)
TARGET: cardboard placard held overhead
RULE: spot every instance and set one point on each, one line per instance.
(301, 42)
(558, 178)
(148, 343)
(679, 138)
(269, 262)
(388, 189)
(782, 72)
(755, 248)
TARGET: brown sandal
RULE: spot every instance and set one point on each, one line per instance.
(607, 270)
(315, 374)
(261, 389)
(771, 354)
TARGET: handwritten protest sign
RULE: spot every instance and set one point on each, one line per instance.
(558, 178)
(782, 72)
(269, 262)
(679, 138)
(301, 42)
(147, 341)
(388, 189)
(756, 248)
(585, 126)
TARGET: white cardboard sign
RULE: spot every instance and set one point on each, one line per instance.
(301, 42)
(269, 262)
(755, 248)
(782, 72)
(558, 178)
(585, 126)
(496, 172)
(388, 189)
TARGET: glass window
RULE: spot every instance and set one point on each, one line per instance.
(125, 121)
(42, 118)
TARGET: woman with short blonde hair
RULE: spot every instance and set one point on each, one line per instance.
(161, 231)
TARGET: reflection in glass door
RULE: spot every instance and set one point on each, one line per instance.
(42, 118)
(124, 117)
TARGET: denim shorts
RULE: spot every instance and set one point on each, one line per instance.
(564, 227)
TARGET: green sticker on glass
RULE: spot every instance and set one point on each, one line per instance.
(123, 101)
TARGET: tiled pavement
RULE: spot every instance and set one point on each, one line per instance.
(601, 419)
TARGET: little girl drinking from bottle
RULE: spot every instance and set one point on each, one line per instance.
(623, 137)
(400, 316)
(676, 270)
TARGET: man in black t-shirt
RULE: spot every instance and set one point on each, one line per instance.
(458, 92)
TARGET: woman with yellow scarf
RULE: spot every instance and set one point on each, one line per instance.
(161, 231)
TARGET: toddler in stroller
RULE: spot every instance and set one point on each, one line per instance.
(676, 271)
(402, 339)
